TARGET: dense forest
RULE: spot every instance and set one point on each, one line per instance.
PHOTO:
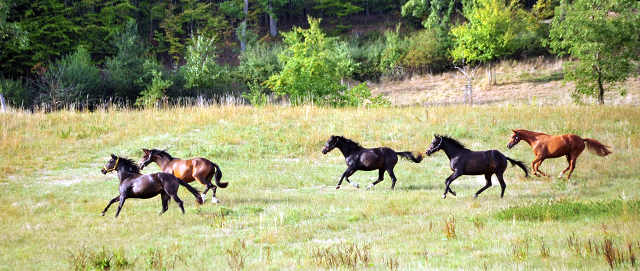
(141, 53)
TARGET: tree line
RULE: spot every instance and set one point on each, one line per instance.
(143, 52)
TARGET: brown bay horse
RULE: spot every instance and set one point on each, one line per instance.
(133, 184)
(553, 146)
(467, 162)
(359, 158)
(189, 170)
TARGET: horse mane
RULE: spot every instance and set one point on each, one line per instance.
(348, 141)
(163, 153)
(454, 142)
(128, 165)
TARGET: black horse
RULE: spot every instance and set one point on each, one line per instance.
(133, 184)
(466, 162)
(359, 158)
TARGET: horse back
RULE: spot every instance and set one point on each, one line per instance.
(481, 162)
(144, 186)
(558, 145)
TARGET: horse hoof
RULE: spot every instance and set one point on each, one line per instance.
(357, 185)
(338, 187)
(475, 196)
(102, 214)
(215, 200)
(453, 193)
(444, 196)
(369, 186)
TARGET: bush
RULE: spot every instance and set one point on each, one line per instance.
(16, 93)
(258, 62)
(427, 52)
(71, 79)
(126, 72)
(395, 49)
(313, 66)
(368, 56)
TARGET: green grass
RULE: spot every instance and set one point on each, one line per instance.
(281, 209)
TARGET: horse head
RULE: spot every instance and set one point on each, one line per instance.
(111, 165)
(146, 159)
(330, 145)
(514, 139)
(435, 145)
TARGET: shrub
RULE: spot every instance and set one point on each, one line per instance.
(427, 52)
(16, 93)
(313, 66)
(126, 71)
(71, 79)
(201, 71)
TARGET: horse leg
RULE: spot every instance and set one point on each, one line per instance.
(503, 185)
(572, 165)
(393, 178)
(568, 166)
(175, 198)
(346, 175)
(380, 178)
(448, 182)
(123, 197)
(165, 201)
(214, 189)
(536, 165)
(108, 205)
(487, 177)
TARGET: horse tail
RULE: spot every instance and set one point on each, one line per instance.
(193, 191)
(409, 155)
(218, 176)
(520, 164)
(596, 147)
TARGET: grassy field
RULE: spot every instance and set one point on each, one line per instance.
(281, 210)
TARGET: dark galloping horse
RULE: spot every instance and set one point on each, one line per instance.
(553, 146)
(359, 158)
(135, 185)
(466, 162)
(199, 169)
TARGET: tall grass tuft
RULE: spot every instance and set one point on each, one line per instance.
(450, 228)
(342, 255)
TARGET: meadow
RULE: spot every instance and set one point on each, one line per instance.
(281, 210)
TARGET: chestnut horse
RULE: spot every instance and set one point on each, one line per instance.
(199, 169)
(553, 146)
(135, 185)
(359, 158)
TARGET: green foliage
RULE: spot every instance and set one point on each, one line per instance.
(427, 52)
(313, 66)
(367, 53)
(493, 30)
(126, 71)
(71, 79)
(603, 37)
(16, 93)
(566, 210)
(394, 51)
(360, 95)
(258, 62)
(201, 70)
(154, 92)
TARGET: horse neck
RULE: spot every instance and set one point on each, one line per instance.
(451, 150)
(162, 161)
(123, 174)
(347, 149)
(529, 136)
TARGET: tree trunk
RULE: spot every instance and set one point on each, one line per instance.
(245, 9)
(272, 21)
(600, 89)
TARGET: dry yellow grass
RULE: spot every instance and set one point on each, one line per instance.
(536, 81)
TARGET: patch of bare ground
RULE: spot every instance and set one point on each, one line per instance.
(531, 82)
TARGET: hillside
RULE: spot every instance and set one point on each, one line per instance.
(537, 81)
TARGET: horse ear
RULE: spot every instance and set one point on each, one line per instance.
(145, 151)
(113, 156)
